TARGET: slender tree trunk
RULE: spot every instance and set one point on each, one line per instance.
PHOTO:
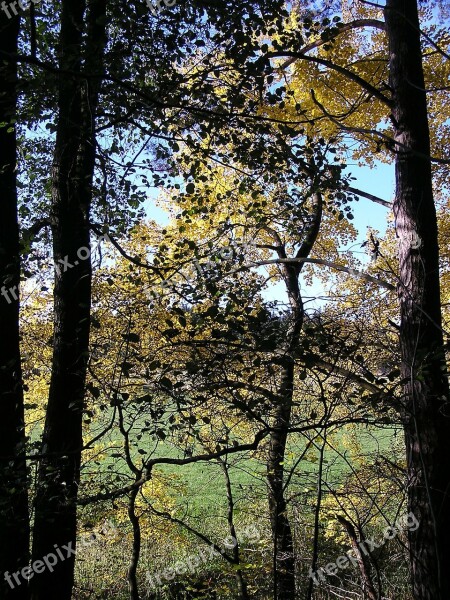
(73, 167)
(14, 524)
(426, 394)
(362, 559)
(284, 567)
(240, 580)
(284, 575)
(315, 549)
(132, 571)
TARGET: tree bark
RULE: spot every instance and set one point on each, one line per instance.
(426, 407)
(73, 168)
(284, 567)
(14, 524)
(284, 575)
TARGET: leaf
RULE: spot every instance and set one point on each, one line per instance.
(95, 391)
(171, 333)
(165, 382)
(131, 337)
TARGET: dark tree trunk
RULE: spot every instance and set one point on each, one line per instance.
(14, 525)
(284, 567)
(73, 167)
(284, 575)
(426, 394)
(136, 551)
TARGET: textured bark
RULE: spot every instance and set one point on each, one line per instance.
(426, 395)
(73, 167)
(284, 567)
(14, 528)
(284, 575)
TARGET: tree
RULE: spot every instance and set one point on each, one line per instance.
(203, 104)
(14, 527)
(73, 168)
(424, 372)
(425, 385)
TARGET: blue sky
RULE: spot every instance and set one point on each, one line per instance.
(379, 181)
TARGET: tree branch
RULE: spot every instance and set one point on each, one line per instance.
(356, 24)
(372, 90)
(370, 197)
(331, 265)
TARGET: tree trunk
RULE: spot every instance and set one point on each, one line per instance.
(73, 167)
(426, 394)
(136, 548)
(284, 567)
(14, 524)
(362, 559)
(284, 575)
(315, 548)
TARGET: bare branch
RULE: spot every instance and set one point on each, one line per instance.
(390, 142)
(370, 197)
